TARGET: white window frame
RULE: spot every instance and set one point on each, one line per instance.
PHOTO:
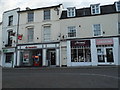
(96, 30)
(44, 16)
(116, 4)
(71, 28)
(28, 40)
(96, 7)
(44, 34)
(30, 18)
(71, 12)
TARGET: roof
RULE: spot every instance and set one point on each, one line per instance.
(82, 12)
(41, 8)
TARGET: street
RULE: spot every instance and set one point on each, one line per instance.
(76, 77)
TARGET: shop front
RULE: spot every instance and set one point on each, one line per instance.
(79, 53)
(38, 55)
(8, 57)
(106, 51)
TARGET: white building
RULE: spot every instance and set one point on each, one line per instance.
(38, 40)
(9, 37)
(92, 35)
(51, 36)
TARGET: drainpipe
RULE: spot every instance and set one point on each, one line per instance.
(17, 37)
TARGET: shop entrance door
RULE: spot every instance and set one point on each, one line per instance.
(105, 55)
(52, 58)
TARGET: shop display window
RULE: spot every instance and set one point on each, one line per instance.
(80, 55)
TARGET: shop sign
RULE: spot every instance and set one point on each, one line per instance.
(20, 37)
(80, 43)
(30, 47)
(104, 41)
(8, 50)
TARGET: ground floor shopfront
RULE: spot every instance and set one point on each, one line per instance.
(97, 51)
(8, 57)
(38, 55)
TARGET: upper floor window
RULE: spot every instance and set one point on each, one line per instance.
(30, 32)
(119, 28)
(72, 31)
(96, 29)
(95, 9)
(47, 33)
(10, 38)
(10, 22)
(47, 14)
(30, 16)
(118, 6)
(71, 12)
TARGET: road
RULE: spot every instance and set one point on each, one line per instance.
(78, 77)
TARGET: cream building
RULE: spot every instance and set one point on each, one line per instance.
(9, 37)
(91, 35)
(38, 36)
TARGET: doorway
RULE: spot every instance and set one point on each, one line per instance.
(105, 55)
(51, 57)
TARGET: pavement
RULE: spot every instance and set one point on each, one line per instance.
(61, 77)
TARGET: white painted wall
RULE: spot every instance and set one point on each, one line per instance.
(108, 25)
(38, 25)
(6, 27)
(94, 58)
(116, 50)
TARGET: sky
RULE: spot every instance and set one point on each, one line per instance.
(12, 4)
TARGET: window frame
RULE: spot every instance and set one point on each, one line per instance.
(96, 8)
(97, 30)
(116, 4)
(48, 16)
(30, 17)
(10, 20)
(71, 30)
(71, 12)
(48, 35)
(29, 39)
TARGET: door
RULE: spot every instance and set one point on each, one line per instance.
(105, 55)
(109, 55)
(52, 57)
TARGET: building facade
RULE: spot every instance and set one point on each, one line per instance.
(38, 37)
(51, 36)
(92, 35)
(9, 37)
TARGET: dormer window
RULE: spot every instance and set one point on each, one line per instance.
(95, 9)
(71, 12)
(117, 6)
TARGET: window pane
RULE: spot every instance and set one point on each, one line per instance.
(30, 34)
(9, 57)
(74, 55)
(10, 20)
(30, 16)
(118, 6)
(95, 9)
(47, 33)
(72, 31)
(46, 14)
(97, 30)
(71, 12)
